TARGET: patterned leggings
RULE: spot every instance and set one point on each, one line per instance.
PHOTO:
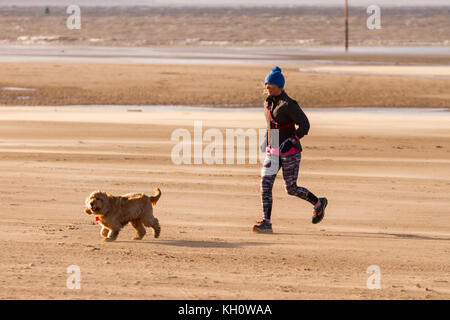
(290, 164)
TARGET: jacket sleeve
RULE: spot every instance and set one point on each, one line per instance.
(299, 117)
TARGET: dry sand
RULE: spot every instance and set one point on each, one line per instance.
(89, 83)
(386, 175)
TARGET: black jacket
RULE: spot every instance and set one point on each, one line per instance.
(285, 110)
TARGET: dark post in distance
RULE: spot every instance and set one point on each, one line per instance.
(346, 25)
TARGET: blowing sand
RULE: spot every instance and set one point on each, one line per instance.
(386, 175)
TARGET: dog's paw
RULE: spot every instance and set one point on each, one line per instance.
(137, 238)
(109, 239)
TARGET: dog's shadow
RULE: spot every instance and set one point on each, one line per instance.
(202, 243)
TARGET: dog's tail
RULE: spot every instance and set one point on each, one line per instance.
(154, 199)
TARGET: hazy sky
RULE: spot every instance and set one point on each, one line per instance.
(224, 2)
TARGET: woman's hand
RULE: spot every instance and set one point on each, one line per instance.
(288, 144)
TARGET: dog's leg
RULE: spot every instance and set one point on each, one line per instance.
(104, 232)
(112, 235)
(156, 227)
(140, 230)
(150, 221)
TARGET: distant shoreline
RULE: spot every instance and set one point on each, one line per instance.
(212, 108)
(209, 5)
(224, 26)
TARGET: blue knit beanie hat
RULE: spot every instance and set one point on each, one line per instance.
(275, 77)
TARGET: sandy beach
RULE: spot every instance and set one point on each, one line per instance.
(231, 85)
(101, 107)
(386, 175)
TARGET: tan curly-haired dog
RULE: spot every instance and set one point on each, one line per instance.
(114, 212)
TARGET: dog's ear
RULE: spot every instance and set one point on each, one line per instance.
(106, 203)
(87, 205)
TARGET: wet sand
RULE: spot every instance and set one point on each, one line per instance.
(386, 176)
(287, 55)
(410, 71)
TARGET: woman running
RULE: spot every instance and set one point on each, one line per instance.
(286, 125)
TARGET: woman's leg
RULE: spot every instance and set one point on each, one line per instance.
(291, 165)
(268, 175)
